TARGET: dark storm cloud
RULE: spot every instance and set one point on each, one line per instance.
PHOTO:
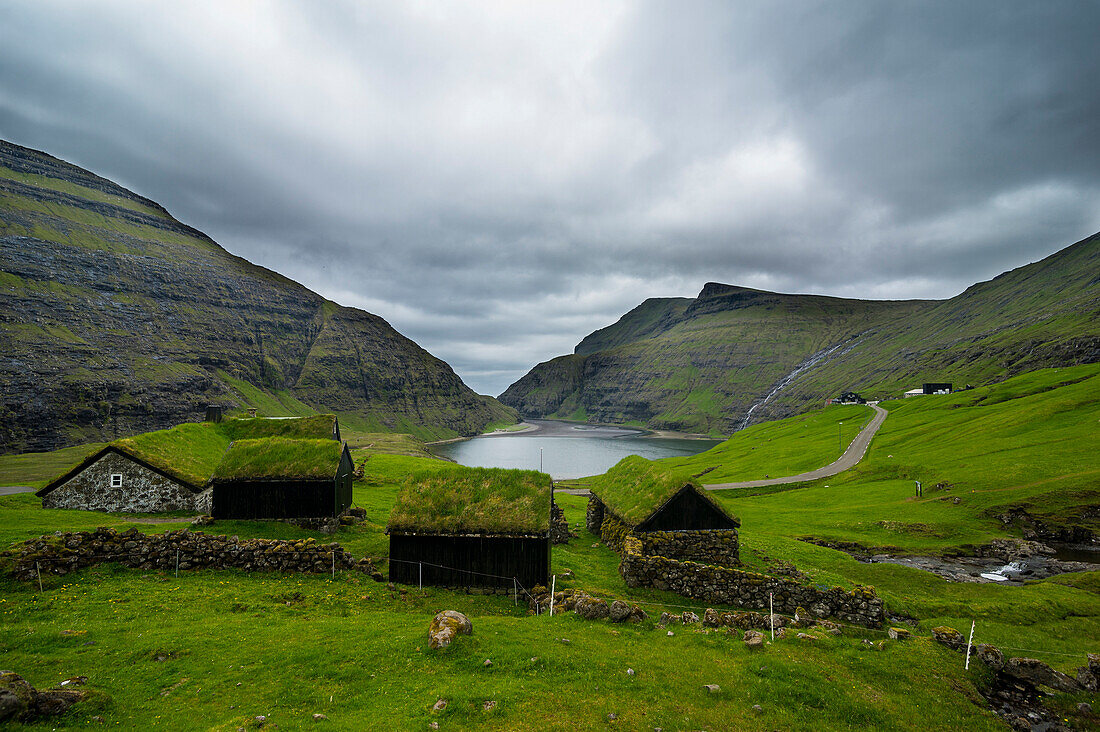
(498, 180)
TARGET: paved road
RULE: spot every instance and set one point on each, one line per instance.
(849, 459)
(13, 489)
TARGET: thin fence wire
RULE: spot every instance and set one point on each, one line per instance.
(521, 588)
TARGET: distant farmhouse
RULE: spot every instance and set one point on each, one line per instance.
(848, 397)
(472, 527)
(672, 516)
(930, 388)
(171, 470)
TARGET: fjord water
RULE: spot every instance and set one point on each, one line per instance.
(568, 450)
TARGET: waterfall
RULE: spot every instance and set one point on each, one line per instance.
(786, 381)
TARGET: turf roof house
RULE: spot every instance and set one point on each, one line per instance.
(282, 478)
(472, 527)
(673, 516)
(167, 470)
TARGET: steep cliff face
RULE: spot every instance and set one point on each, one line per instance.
(735, 355)
(117, 319)
(695, 365)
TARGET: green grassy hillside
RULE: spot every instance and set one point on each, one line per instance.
(117, 319)
(701, 365)
(170, 651)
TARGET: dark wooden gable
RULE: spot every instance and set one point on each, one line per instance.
(688, 511)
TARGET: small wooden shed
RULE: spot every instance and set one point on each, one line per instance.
(645, 496)
(282, 478)
(672, 515)
(466, 527)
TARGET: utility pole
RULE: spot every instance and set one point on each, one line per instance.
(838, 442)
(540, 459)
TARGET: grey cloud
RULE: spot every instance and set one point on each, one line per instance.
(497, 181)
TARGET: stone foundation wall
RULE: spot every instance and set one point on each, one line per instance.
(60, 553)
(559, 527)
(613, 531)
(709, 546)
(593, 517)
(745, 589)
(142, 491)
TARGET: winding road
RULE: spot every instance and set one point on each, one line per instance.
(855, 452)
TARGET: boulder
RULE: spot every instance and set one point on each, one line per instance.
(711, 618)
(619, 611)
(17, 697)
(829, 626)
(1038, 673)
(446, 626)
(665, 619)
(57, 701)
(637, 615)
(712, 688)
(754, 639)
(688, 617)
(949, 637)
(1094, 663)
(1087, 679)
(592, 608)
(898, 633)
(990, 655)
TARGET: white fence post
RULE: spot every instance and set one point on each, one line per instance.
(177, 563)
(966, 666)
(420, 576)
(553, 583)
(38, 571)
(771, 614)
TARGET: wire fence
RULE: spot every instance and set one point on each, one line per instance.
(518, 589)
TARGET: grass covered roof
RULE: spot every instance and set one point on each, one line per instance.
(279, 458)
(316, 427)
(473, 500)
(635, 488)
(189, 451)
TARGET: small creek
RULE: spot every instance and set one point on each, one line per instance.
(566, 450)
(989, 569)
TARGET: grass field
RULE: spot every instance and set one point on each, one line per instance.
(169, 652)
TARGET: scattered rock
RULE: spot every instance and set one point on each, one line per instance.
(439, 705)
(612, 717)
(563, 641)
(488, 705)
(567, 574)
(52, 702)
(757, 708)
(446, 626)
(754, 639)
(867, 644)
(805, 637)
(780, 632)
(17, 697)
(319, 717)
(949, 637)
(630, 672)
(665, 619)
(990, 655)
(488, 663)
(1087, 679)
(898, 633)
(671, 633)
(591, 608)
(712, 688)
(1084, 708)
(829, 626)
(619, 611)
(1038, 673)
(433, 725)
(688, 617)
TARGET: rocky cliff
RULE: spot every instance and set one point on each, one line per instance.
(116, 319)
(734, 355)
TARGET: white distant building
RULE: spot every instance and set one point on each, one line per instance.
(914, 392)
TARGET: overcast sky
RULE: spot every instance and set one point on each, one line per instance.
(499, 179)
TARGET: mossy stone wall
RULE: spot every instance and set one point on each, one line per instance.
(739, 588)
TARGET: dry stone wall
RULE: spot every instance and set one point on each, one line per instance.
(62, 553)
(736, 587)
(142, 491)
(710, 546)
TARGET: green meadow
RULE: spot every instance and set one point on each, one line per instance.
(216, 649)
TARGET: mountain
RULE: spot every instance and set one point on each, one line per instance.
(735, 355)
(118, 319)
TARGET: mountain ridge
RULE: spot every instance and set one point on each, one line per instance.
(120, 319)
(731, 347)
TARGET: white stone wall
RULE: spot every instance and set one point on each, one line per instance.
(142, 491)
